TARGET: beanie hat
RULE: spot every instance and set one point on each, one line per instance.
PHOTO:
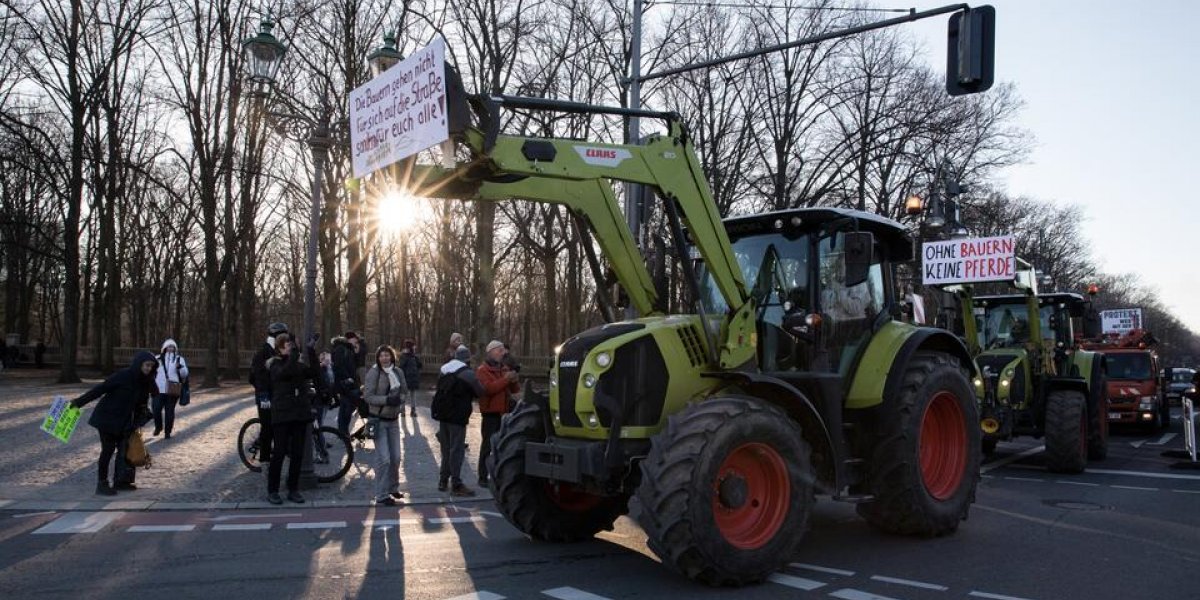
(462, 353)
(492, 345)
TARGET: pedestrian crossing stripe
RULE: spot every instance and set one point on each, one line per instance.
(80, 522)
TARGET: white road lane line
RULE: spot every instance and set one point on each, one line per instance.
(317, 525)
(391, 522)
(478, 596)
(1187, 491)
(444, 520)
(792, 581)
(491, 514)
(570, 593)
(910, 583)
(80, 522)
(1024, 478)
(995, 596)
(1134, 487)
(241, 526)
(821, 569)
(35, 514)
(851, 594)
(1083, 483)
(1164, 439)
(1118, 472)
(159, 528)
(1010, 459)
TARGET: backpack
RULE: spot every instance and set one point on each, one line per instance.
(442, 408)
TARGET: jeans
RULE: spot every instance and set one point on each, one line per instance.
(387, 457)
(289, 442)
(452, 439)
(164, 406)
(488, 428)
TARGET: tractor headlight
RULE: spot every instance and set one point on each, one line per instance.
(593, 420)
(978, 382)
(1004, 383)
(603, 359)
(589, 381)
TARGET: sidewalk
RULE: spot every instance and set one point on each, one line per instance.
(198, 468)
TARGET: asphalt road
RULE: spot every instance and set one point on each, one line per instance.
(1127, 528)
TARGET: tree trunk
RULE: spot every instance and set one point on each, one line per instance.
(485, 254)
(68, 372)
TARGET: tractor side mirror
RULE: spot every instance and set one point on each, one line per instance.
(971, 51)
(859, 247)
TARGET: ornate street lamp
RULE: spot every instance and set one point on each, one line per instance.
(386, 56)
(264, 53)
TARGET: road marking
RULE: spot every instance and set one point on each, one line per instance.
(36, 514)
(820, 569)
(262, 516)
(391, 522)
(1011, 459)
(1144, 474)
(1164, 439)
(491, 514)
(1187, 491)
(909, 582)
(1134, 487)
(792, 581)
(570, 593)
(1138, 444)
(1024, 478)
(478, 596)
(80, 522)
(1068, 482)
(159, 528)
(241, 526)
(317, 525)
(849, 594)
(444, 520)
(995, 596)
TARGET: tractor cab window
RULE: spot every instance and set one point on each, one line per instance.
(848, 311)
(1004, 326)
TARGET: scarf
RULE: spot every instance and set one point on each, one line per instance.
(393, 379)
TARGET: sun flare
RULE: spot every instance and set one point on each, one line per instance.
(399, 212)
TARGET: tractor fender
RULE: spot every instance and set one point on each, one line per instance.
(826, 451)
(928, 339)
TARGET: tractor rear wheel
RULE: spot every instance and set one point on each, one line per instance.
(1097, 409)
(1066, 431)
(925, 466)
(726, 491)
(543, 509)
(989, 446)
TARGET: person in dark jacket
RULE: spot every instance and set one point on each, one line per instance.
(124, 406)
(410, 365)
(462, 388)
(260, 378)
(348, 384)
(291, 411)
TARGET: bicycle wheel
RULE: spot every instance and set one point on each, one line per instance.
(247, 444)
(332, 454)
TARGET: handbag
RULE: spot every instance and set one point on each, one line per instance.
(136, 453)
(174, 389)
(185, 394)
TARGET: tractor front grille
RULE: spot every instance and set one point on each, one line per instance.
(571, 356)
(638, 382)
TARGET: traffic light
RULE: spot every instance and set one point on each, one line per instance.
(971, 51)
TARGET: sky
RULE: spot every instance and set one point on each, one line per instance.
(1112, 98)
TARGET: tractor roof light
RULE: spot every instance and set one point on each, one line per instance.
(913, 205)
(1093, 289)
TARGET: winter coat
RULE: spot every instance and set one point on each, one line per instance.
(292, 391)
(495, 387)
(260, 376)
(377, 388)
(411, 365)
(124, 397)
(171, 367)
(345, 364)
(465, 389)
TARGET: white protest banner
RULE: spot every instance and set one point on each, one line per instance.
(1121, 321)
(400, 112)
(971, 260)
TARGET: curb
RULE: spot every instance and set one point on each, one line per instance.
(158, 506)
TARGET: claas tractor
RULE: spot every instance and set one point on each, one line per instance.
(789, 376)
(1034, 380)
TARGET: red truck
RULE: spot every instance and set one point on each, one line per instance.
(1136, 393)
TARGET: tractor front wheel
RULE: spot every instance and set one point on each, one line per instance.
(1066, 431)
(925, 466)
(543, 509)
(726, 491)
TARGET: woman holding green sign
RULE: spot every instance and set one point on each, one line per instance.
(123, 407)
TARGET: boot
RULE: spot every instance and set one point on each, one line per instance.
(295, 497)
(125, 486)
(103, 489)
(461, 490)
(443, 483)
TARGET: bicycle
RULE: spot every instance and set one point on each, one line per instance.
(332, 452)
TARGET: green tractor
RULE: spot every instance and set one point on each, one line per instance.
(789, 378)
(1035, 380)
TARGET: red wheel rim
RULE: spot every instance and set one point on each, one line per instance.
(943, 444)
(751, 496)
(570, 498)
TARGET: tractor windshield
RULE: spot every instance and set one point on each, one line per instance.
(775, 267)
(1128, 365)
(1007, 325)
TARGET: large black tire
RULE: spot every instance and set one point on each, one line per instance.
(541, 509)
(1066, 431)
(1097, 440)
(925, 466)
(247, 444)
(726, 491)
